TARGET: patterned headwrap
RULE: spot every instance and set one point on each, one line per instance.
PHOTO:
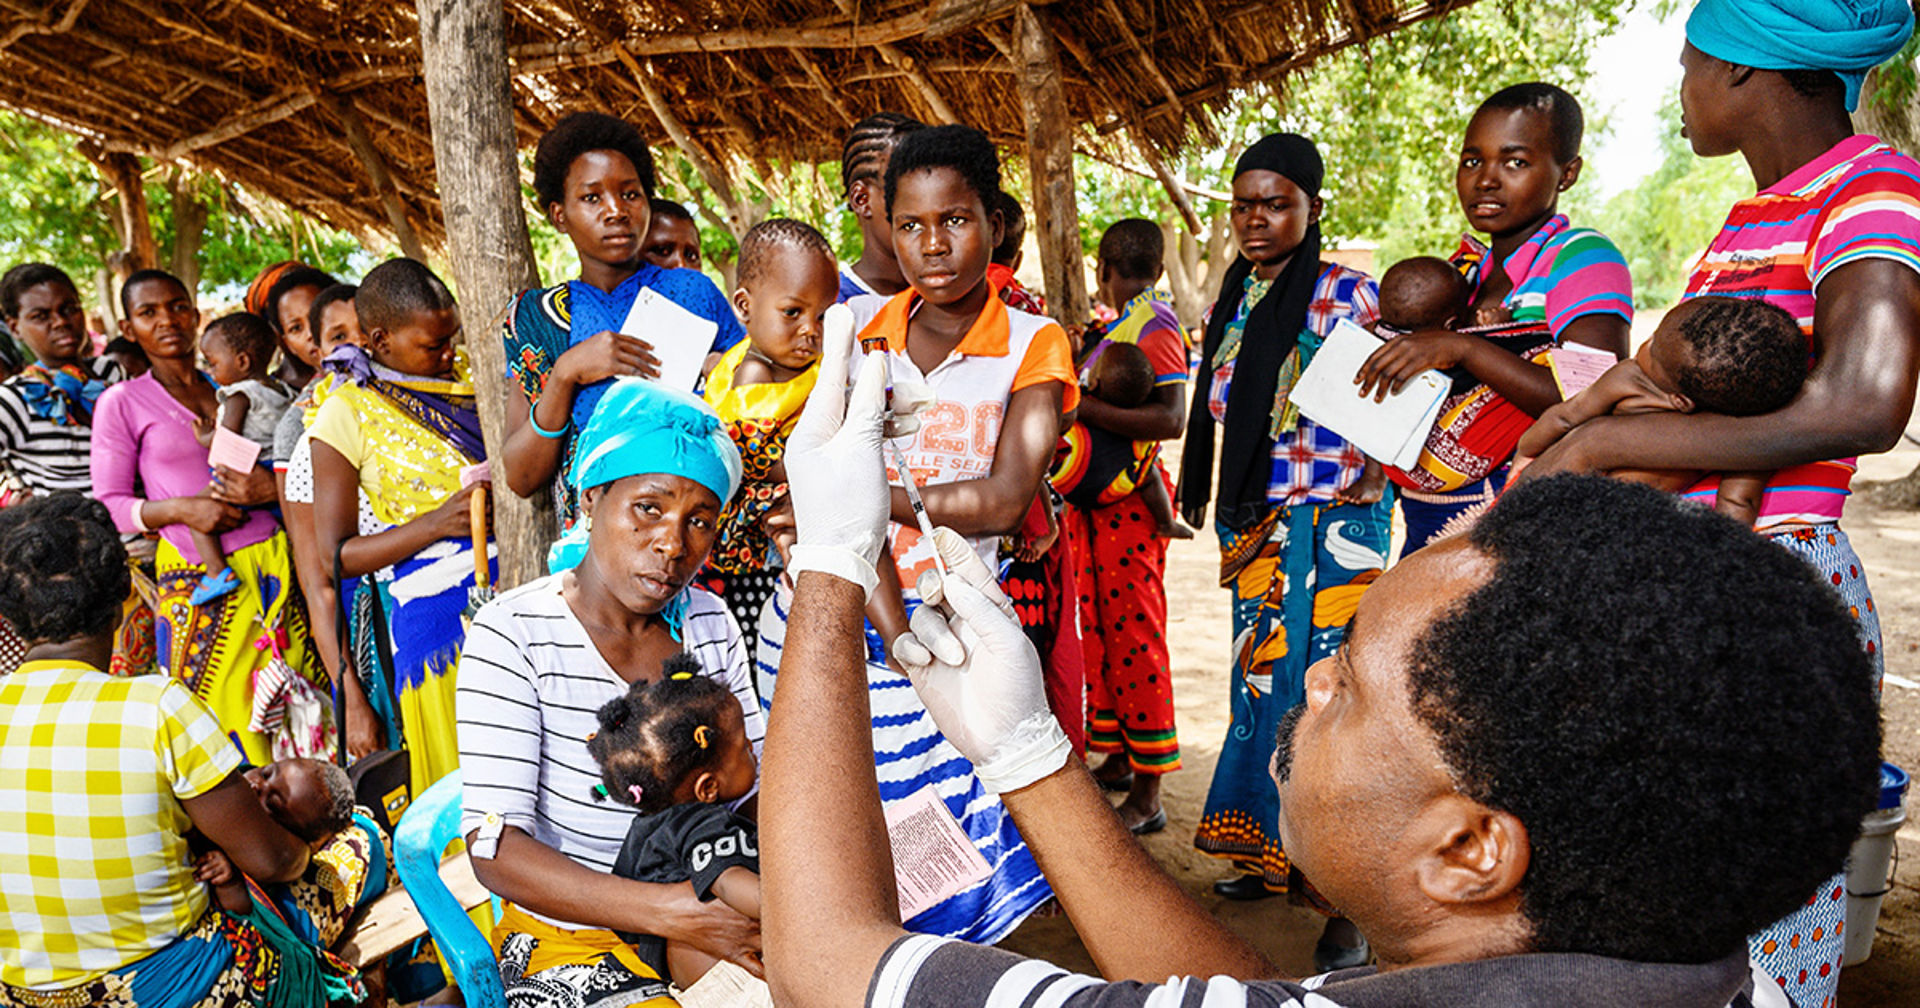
(1848, 37)
(638, 427)
(256, 299)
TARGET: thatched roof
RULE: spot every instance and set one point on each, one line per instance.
(288, 98)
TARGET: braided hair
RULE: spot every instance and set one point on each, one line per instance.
(867, 146)
(659, 734)
(63, 571)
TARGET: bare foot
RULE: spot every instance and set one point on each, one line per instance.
(1173, 530)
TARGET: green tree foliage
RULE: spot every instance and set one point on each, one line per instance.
(56, 209)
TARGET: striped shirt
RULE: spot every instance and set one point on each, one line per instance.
(1860, 200)
(922, 971)
(530, 685)
(45, 454)
(1560, 274)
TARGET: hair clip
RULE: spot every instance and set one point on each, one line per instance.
(700, 735)
(599, 792)
(677, 676)
(636, 791)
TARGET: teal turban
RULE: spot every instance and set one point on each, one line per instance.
(641, 427)
(1848, 37)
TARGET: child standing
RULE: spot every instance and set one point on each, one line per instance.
(676, 749)
(863, 170)
(787, 283)
(238, 348)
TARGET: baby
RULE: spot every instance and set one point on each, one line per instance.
(788, 280)
(311, 798)
(238, 348)
(1096, 467)
(1424, 292)
(1736, 356)
(677, 750)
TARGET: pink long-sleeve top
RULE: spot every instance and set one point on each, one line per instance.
(143, 437)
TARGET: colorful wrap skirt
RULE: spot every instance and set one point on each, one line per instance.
(1296, 579)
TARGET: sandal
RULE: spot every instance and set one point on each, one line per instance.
(214, 586)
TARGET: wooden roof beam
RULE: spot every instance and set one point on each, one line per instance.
(270, 111)
(45, 25)
(159, 68)
(828, 93)
(709, 170)
(375, 167)
(1140, 53)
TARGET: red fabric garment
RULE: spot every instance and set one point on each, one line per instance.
(1046, 600)
(1123, 613)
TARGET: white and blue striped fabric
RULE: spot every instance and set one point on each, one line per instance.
(909, 754)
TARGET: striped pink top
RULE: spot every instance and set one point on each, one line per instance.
(1859, 200)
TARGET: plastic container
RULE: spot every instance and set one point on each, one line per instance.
(1870, 864)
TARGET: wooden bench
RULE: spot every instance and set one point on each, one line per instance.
(391, 920)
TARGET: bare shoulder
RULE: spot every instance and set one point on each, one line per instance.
(752, 371)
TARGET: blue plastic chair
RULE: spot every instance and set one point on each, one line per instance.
(426, 828)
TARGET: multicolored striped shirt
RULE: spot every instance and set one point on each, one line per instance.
(1860, 200)
(1310, 462)
(1560, 274)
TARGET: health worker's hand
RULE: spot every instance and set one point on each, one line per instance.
(835, 475)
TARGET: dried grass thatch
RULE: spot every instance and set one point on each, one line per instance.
(309, 102)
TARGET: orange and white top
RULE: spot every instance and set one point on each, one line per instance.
(1005, 351)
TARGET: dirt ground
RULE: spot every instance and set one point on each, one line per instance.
(1888, 542)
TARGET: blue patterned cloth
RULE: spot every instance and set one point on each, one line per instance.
(595, 311)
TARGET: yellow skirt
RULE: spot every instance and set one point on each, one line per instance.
(215, 649)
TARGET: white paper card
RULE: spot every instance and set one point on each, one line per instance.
(932, 856)
(1575, 367)
(233, 451)
(1392, 431)
(680, 339)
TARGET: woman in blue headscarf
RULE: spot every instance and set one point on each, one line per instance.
(654, 466)
(1832, 236)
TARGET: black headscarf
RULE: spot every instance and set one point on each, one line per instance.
(1272, 331)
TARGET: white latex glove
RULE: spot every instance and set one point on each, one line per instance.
(978, 673)
(834, 470)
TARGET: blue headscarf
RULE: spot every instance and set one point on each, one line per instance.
(638, 427)
(1848, 37)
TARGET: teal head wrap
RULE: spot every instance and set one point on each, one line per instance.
(642, 427)
(1848, 37)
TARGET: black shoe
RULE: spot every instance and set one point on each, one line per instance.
(1124, 782)
(1243, 887)
(1151, 824)
(1328, 956)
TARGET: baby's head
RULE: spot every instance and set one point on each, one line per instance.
(125, 352)
(1424, 292)
(1122, 375)
(788, 280)
(238, 347)
(1737, 356)
(1013, 230)
(312, 798)
(681, 738)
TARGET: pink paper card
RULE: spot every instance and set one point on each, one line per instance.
(932, 856)
(479, 472)
(232, 450)
(1575, 367)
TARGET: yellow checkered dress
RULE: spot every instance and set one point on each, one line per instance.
(94, 869)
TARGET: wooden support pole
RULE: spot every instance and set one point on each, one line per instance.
(375, 166)
(463, 58)
(1050, 162)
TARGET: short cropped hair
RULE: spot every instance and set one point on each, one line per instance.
(25, 277)
(669, 209)
(1562, 110)
(147, 276)
(393, 292)
(337, 789)
(292, 280)
(765, 239)
(243, 332)
(1422, 292)
(1125, 375)
(335, 293)
(1135, 248)
(63, 570)
(963, 149)
(869, 143)
(1680, 712)
(1013, 228)
(1744, 356)
(579, 133)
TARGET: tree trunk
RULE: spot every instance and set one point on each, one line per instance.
(135, 228)
(375, 167)
(1056, 216)
(189, 226)
(463, 51)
